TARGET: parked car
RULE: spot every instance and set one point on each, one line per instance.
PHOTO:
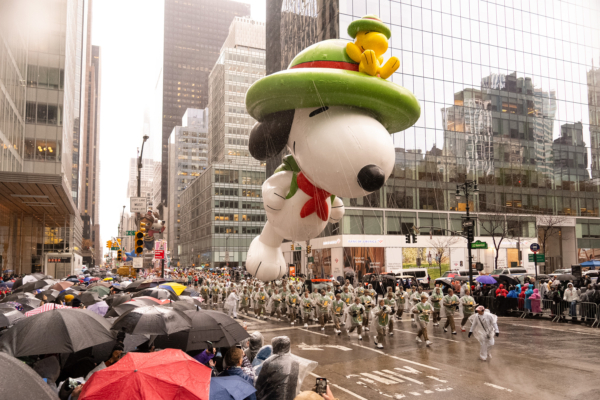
(509, 271)
(560, 272)
(420, 274)
(593, 274)
(454, 273)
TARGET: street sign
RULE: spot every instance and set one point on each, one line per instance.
(130, 233)
(538, 258)
(479, 245)
(115, 248)
(138, 204)
(311, 259)
(534, 247)
(159, 254)
(467, 223)
(138, 262)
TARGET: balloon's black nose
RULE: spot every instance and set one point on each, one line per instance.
(371, 178)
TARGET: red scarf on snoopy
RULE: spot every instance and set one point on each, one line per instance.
(318, 201)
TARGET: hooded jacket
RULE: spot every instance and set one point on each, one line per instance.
(536, 302)
(256, 342)
(501, 292)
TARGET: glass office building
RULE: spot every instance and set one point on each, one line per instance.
(509, 92)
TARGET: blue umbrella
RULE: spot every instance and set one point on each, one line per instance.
(87, 278)
(591, 263)
(167, 287)
(229, 388)
(485, 279)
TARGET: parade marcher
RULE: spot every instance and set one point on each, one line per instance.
(468, 307)
(337, 310)
(347, 297)
(275, 304)
(216, 291)
(355, 315)
(484, 325)
(450, 305)
(401, 296)
(391, 303)
(307, 306)
(284, 295)
(371, 292)
(367, 302)
(260, 301)
(436, 300)
(424, 309)
(245, 301)
(315, 295)
(232, 303)
(381, 319)
(416, 299)
(205, 292)
(324, 304)
(292, 301)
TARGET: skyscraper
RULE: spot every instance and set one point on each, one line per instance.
(40, 71)
(194, 33)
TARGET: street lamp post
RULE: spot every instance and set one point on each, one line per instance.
(468, 224)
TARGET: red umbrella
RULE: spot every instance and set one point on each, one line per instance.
(163, 375)
(62, 285)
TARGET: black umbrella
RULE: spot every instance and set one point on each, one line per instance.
(17, 296)
(66, 330)
(9, 317)
(507, 280)
(117, 299)
(31, 286)
(50, 294)
(196, 301)
(190, 292)
(20, 382)
(566, 277)
(212, 326)
(89, 298)
(161, 294)
(181, 305)
(129, 305)
(152, 320)
(29, 303)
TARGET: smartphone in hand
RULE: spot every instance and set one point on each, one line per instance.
(321, 386)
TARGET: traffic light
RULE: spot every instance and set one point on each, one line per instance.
(292, 246)
(470, 234)
(407, 236)
(308, 249)
(119, 255)
(414, 238)
(109, 244)
(119, 240)
(143, 227)
(139, 243)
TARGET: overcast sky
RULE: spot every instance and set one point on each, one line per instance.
(130, 34)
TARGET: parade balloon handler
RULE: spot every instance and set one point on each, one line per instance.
(336, 123)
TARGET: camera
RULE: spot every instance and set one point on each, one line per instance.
(321, 386)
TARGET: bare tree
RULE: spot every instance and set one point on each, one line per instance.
(496, 226)
(442, 244)
(548, 227)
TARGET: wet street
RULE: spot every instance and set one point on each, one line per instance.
(531, 359)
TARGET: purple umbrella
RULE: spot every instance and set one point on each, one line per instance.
(99, 308)
(486, 279)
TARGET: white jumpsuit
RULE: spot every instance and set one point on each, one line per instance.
(484, 328)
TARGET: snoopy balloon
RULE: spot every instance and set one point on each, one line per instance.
(336, 123)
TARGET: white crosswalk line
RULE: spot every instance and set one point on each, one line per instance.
(394, 357)
(437, 379)
(387, 374)
(428, 391)
(378, 378)
(387, 371)
(497, 387)
(340, 388)
(367, 380)
(409, 370)
(443, 390)
(409, 379)
(415, 393)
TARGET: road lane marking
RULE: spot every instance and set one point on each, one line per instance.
(339, 387)
(497, 387)
(253, 319)
(409, 370)
(395, 358)
(409, 379)
(314, 333)
(367, 380)
(428, 391)
(387, 375)
(415, 393)
(378, 378)
(437, 379)
(443, 390)
(437, 337)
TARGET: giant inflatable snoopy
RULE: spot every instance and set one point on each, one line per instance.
(336, 123)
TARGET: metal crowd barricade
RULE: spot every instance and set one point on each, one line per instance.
(589, 312)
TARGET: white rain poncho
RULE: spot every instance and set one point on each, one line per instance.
(484, 327)
(307, 306)
(374, 318)
(282, 374)
(323, 305)
(232, 302)
(352, 314)
(256, 341)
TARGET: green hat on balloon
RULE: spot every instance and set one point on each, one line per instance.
(368, 23)
(325, 75)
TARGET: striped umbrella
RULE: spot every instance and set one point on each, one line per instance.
(44, 308)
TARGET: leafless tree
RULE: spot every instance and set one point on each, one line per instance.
(442, 244)
(548, 227)
(496, 226)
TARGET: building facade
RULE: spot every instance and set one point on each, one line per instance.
(240, 64)
(221, 212)
(508, 94)
(40, 81)
(188, 157)
(147, 180)
(194, 33)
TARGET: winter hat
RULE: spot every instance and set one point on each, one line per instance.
(480, 308)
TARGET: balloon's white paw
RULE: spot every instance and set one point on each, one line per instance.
(265, 262)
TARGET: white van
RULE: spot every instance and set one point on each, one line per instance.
(419, 273)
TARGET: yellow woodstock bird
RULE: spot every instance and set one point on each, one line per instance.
(370, 44)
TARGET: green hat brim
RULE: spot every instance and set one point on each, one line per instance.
(370, 25)
(394, 106)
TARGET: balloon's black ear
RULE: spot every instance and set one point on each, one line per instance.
(270, 136)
